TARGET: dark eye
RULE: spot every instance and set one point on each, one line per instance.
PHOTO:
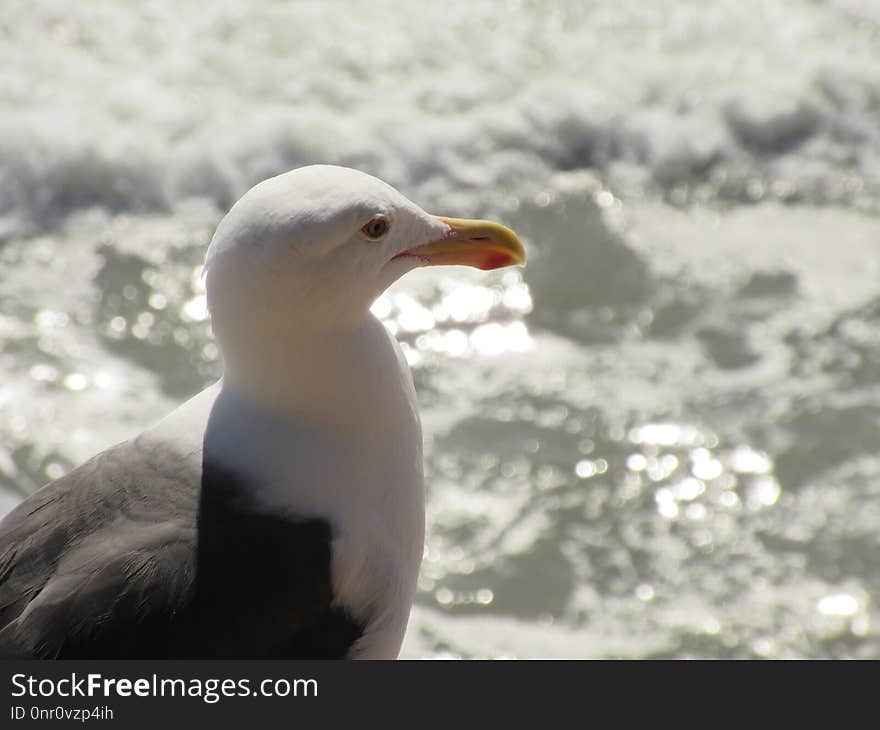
(376, 227)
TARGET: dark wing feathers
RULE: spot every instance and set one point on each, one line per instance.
(123, 606)
(141, 552)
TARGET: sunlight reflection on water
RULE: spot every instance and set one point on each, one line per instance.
(459, 319)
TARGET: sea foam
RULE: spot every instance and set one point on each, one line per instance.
(135, 108)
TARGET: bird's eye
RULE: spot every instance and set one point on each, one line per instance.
(376, 227)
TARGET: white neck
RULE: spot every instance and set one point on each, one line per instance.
(338, 377)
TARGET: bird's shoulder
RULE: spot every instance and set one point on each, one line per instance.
(122, 481)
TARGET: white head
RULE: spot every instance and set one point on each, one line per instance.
(310, 250)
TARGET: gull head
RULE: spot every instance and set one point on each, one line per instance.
(311, 249)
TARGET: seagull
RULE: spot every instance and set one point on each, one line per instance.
(280, 512)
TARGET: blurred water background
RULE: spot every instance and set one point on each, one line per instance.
(661, 439)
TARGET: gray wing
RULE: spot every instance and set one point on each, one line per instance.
(145, 552)
(109, 545)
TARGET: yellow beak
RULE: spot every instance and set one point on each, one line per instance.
(481, 244)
